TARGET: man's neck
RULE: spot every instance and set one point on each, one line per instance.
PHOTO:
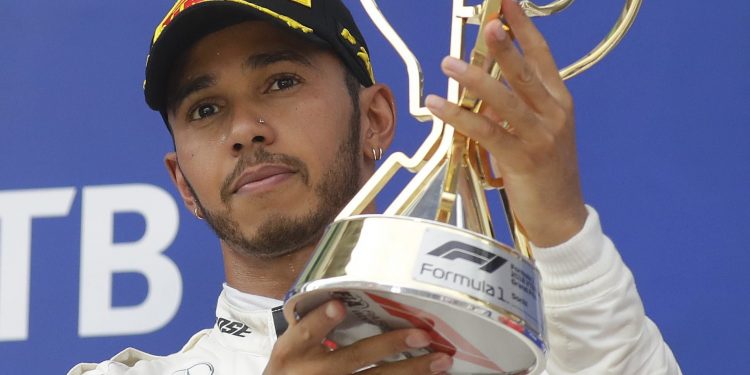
(270, 278)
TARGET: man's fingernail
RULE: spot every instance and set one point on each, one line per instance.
(417, 340)
(500, 33)
(442, 363)
(434, 102)
(332, 311)
(454, 65)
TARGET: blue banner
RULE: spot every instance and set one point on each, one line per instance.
(97, 252)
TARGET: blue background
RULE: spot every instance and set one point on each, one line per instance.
(662, 133)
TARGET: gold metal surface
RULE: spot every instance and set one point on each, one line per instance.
(371, 258)
(534, 10)
(444, 151)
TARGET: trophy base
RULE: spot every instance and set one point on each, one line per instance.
(478, 299)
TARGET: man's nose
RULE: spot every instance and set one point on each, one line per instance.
(250, 128)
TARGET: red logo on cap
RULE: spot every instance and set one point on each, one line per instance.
(178, 7)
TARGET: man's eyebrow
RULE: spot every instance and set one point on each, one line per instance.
(261, 60)
(255, 61)
(191, 86)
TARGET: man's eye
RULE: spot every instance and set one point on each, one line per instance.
(203, 111)
(283, 83)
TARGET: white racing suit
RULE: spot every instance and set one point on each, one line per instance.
(595, 321)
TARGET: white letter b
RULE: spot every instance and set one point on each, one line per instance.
(101, 257)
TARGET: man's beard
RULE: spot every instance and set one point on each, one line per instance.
(280, 235)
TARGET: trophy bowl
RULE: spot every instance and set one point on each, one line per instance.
(479, 300)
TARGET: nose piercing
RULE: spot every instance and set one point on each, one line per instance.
(261, 121)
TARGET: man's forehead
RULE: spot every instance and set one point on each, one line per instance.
(250, 37)
(254, 42)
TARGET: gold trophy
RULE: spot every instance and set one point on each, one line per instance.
(431, 259)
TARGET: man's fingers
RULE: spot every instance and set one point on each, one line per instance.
(375, 349)
(534, 47)
(300, 348)
(434, 363)
(504, 103)
(311, 330)
(517, 71)
(494, 93)
(476, 126)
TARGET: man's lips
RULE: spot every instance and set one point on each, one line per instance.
(257, 178)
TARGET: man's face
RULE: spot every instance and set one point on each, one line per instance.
(266, 136)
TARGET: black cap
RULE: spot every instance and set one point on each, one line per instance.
(327, 21)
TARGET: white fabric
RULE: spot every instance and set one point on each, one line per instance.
(248, 302)
(595, 319)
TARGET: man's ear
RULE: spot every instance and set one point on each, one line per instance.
(170, 161)
(378, 119)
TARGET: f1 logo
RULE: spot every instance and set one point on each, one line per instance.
(452, 250)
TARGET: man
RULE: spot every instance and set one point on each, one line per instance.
(275, 118)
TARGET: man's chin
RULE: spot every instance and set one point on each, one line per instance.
(271, 254)
(276, 237)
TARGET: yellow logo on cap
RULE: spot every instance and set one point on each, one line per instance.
(289, 21)
(346, 34)
(307, 3)
(362, 54)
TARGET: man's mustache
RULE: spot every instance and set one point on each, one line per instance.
(258, 157)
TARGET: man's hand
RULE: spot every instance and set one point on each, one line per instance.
(300, 349)
(536, 154)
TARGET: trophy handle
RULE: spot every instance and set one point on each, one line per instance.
(534, 10)
(623, 24)
(413, 68)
